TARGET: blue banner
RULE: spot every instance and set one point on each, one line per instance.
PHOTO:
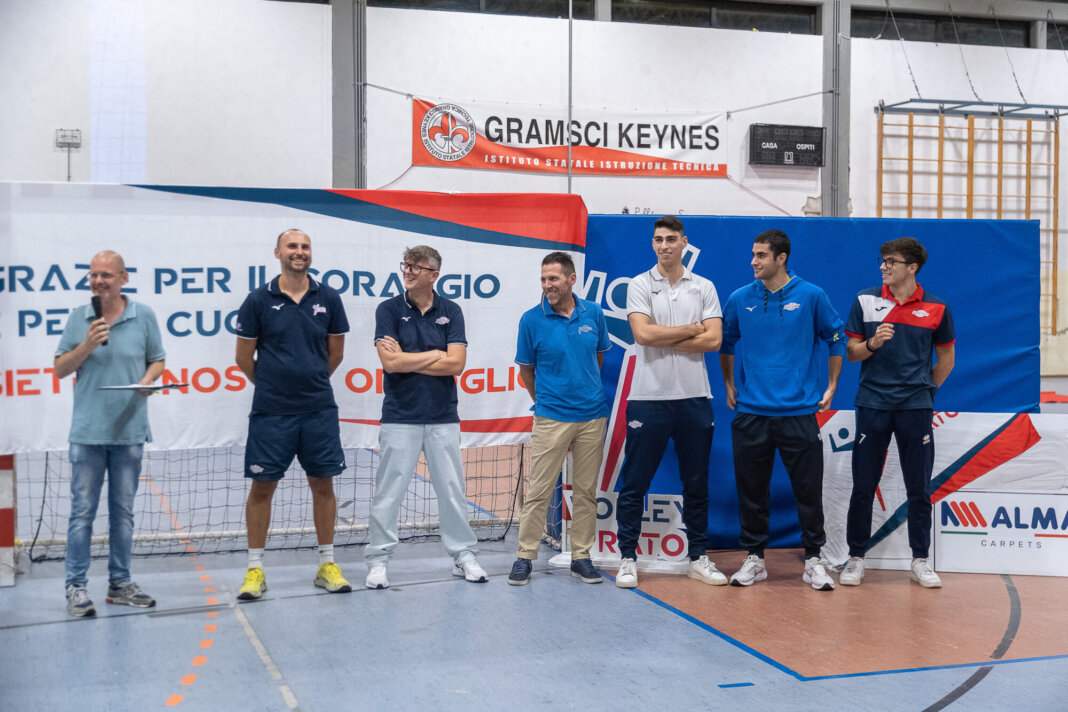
(987, 271)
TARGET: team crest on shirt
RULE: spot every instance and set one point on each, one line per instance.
(694, 290)
(921, 313)
(318, 309)
(585, 328)
(791, 306)
(442, 320)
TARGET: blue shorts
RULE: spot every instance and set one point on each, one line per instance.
(273, 441)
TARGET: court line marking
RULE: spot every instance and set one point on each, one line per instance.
(265, 657)
(804, 678)
(1013, 627)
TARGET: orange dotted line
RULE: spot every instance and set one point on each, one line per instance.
(209, 628)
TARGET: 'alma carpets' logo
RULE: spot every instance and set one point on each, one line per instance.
(448, 132)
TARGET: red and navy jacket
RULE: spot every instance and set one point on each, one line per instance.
(898, 375)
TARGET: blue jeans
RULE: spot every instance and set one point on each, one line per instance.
(400, 447)
(88, 464)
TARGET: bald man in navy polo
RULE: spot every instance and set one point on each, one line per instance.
(290, 338)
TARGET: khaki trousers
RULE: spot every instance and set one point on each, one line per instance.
(550, 440)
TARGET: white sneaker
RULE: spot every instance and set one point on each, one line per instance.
(471, 571)
(853, 573)
(923, 574)
(751, 572)
(627, 576)
(376, 577)
(705, 571)
(816, 575)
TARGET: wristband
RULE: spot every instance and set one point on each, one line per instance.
(868, 345)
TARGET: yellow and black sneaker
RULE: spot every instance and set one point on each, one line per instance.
(254, 586)
(329, 577)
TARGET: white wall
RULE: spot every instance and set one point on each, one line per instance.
(880, 73)
(461, 56)
(237, 92)
(44, 86)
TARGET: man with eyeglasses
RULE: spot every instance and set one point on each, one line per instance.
(421, 341)
(115, 346)
(290, 339)
(892, 331)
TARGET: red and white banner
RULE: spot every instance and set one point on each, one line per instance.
(193, 254)
(999, 490)
(535, 139)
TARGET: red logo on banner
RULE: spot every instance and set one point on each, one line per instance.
(448, 132)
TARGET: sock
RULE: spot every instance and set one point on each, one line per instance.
(326, 553)
(255, 558)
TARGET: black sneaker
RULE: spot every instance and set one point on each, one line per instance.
(585, 570)
(520, 575)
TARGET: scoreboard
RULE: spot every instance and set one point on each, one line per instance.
(780, 145)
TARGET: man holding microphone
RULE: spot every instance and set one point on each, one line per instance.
(118, 344)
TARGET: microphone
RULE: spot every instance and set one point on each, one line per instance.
(98, 309)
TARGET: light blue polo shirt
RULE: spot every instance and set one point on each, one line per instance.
(112, 417)
(563, 352)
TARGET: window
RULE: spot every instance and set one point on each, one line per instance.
(1056, 35)
(879, 24)
(583, 9)
(764, 17)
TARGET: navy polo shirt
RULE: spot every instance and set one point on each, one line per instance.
(416, 398)
(898, 375)
(563, 351)
(292, 370)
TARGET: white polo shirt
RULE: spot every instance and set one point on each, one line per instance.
(667, 374)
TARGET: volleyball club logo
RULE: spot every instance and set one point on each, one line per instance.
(448, 132)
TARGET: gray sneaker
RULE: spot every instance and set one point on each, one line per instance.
(752, 571)
(816, 575)
(853, 573)
(128, 593)
(78, 603)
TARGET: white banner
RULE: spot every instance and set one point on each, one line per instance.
(999, 489)
(193, 254)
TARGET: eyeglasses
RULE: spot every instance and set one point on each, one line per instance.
(891, 263)
(415, 269)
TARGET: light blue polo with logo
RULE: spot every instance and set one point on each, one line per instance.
(563, 351)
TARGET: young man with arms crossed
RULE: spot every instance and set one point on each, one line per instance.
(422, 343)
(675, 317)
